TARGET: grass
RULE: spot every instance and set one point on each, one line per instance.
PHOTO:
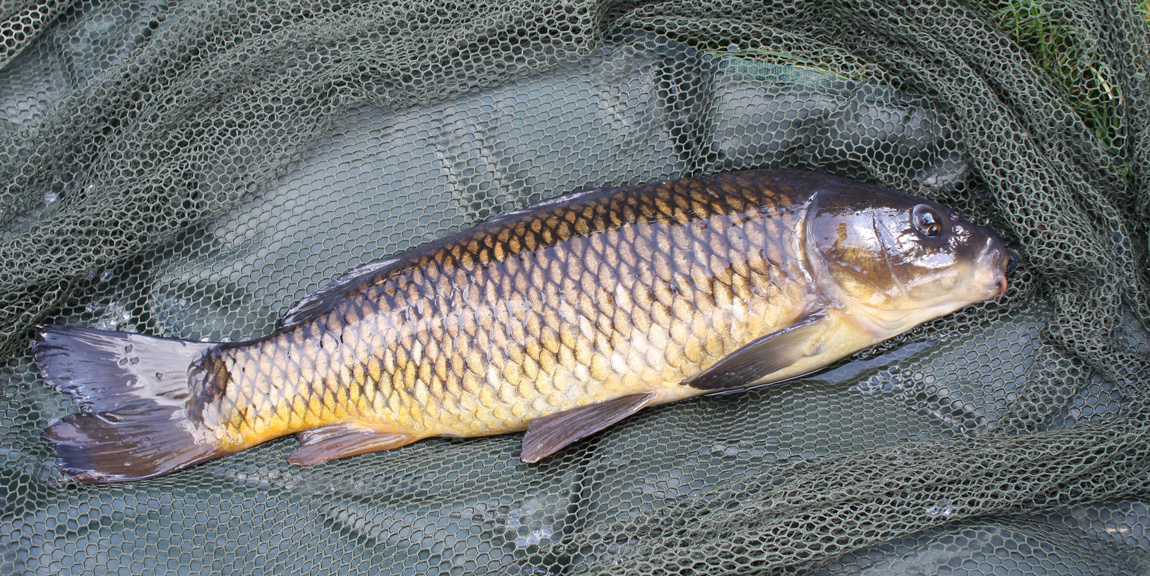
(1066, 52)
(1070, 57)
(845, 68)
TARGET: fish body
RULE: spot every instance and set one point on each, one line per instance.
(558, 319)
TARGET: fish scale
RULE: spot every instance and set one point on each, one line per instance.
(561, 319)
(632, 292)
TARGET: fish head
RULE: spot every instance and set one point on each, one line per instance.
(893, 261)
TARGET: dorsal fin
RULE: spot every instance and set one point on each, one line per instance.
(548, 203)
(325, 299)
(565, 199)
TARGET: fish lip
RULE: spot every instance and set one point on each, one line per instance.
(998, 258)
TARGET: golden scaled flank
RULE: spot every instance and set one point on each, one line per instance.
(479, 339)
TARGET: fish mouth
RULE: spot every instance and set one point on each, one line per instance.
(994, 264)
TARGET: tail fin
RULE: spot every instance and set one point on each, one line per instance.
(135, 393)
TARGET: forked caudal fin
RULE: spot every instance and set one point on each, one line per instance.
(134, 390)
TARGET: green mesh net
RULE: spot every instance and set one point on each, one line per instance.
(191, 169)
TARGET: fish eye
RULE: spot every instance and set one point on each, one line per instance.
(927, 221)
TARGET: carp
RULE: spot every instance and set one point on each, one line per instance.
(559, 319)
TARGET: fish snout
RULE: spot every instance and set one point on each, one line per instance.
(995, 263)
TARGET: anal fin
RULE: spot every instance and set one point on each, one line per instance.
(549, 434)
(341, 440)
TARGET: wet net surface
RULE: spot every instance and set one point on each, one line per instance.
(191, 169)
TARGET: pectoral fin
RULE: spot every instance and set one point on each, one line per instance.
(761, 358)
(341, 440)
(549, 434)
